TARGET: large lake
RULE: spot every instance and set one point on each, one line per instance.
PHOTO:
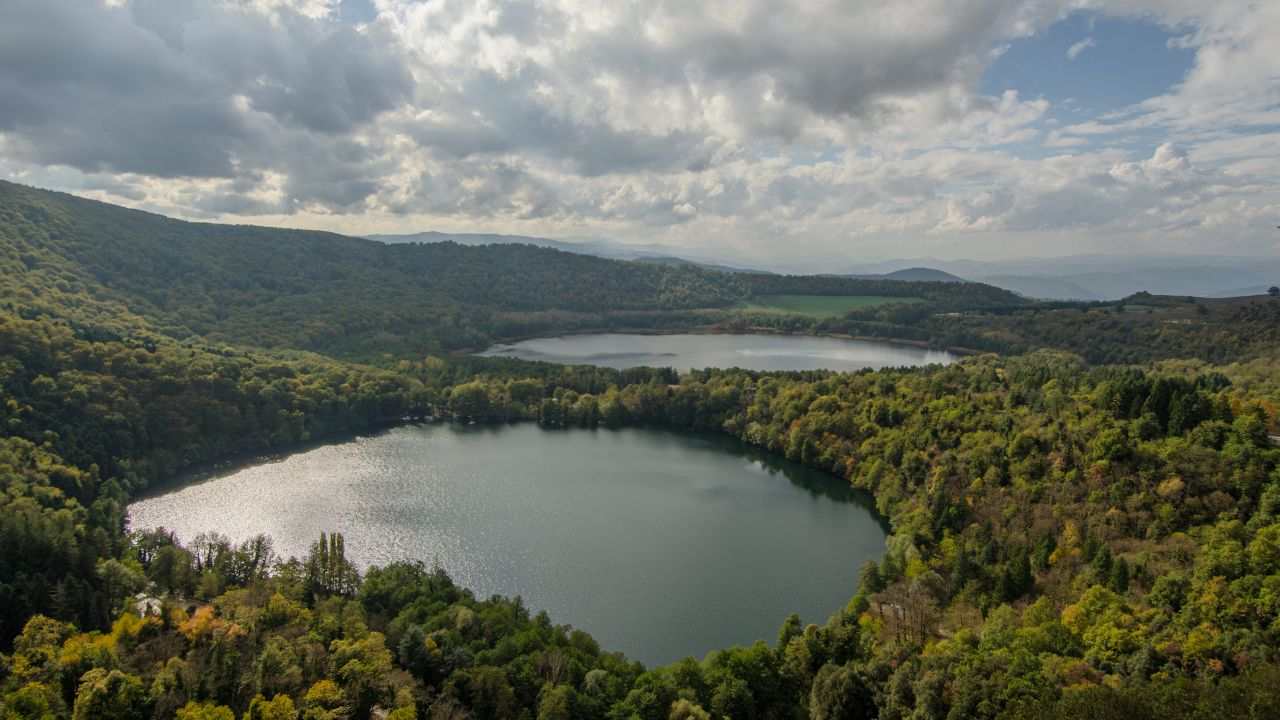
(694, 351)
(661, 545)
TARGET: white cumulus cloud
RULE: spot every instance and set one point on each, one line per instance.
(785, 132)
(1077, 48)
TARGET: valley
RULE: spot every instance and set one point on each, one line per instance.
(1085, 503)
(561, 360)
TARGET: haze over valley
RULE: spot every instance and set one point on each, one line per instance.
(1072, 277)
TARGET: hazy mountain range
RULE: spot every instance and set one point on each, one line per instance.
(1109, 277)
(915, 274)
(1075, 277)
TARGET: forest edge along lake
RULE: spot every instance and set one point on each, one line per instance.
(660, 544)
(683, 542)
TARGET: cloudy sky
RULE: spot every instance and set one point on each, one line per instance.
(794, 133)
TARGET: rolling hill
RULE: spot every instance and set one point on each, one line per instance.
(1107, 277)
(650, 253)
(116, 272)
(964, 460)
(917, 274)
(270, 287)
(923, 275)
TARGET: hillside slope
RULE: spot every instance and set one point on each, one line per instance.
(611, 249)
(1066, 539)
(1141, 328)
(116, 272)
(944, 295)
(915, 274)
(271, 287)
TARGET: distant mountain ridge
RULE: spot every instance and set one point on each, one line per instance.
(1245, 291)
(646, 253)
(679, 261)
(1042, 287)
(1074, 277)
(476, 240)
(1106, 277)
(613, 250)
(917, 274)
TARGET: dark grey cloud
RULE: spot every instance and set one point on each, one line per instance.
(834, 60)
(497, 115)
(743, 120)
(476, 187)
(213, 89)
(182, 88)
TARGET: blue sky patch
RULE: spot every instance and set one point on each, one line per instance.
(357, 11)
(1116, 63)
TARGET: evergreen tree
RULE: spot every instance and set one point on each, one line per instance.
(1118, 578)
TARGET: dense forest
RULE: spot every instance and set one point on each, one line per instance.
(954, 295)
(1142, 328)
(1071, 537)
(101, 265)
(68, 257)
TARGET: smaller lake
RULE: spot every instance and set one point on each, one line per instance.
(697, 351)
(661, 545)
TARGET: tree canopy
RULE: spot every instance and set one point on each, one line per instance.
(1071, 537)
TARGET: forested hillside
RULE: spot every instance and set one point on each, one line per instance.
(1071, 538)
(955, 295)
(115, 271)
(1139, 329)
(89, 423)
(73, 258)
(1058, 531)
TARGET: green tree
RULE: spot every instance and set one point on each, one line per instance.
(279, 707)
(791, 627)
(870, 581)
(324, 701)
(363, 667)
(278, 669)
(839, 694)
(1169, 592)
(119, 580)
(683, 709)
(32, 701)
(470, 401)
(556, 703)
(1264, 551)
(1118, 578)
(204, 711)
(328, 572)
(110, 695)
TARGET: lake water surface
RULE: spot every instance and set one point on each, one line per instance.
(696, 351)
(661, 545)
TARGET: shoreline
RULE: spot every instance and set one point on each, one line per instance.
(202, 471)
(199, 472)
(719, 330)
(214, 470)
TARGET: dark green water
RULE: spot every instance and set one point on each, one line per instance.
(695, 351)
(661, 545)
